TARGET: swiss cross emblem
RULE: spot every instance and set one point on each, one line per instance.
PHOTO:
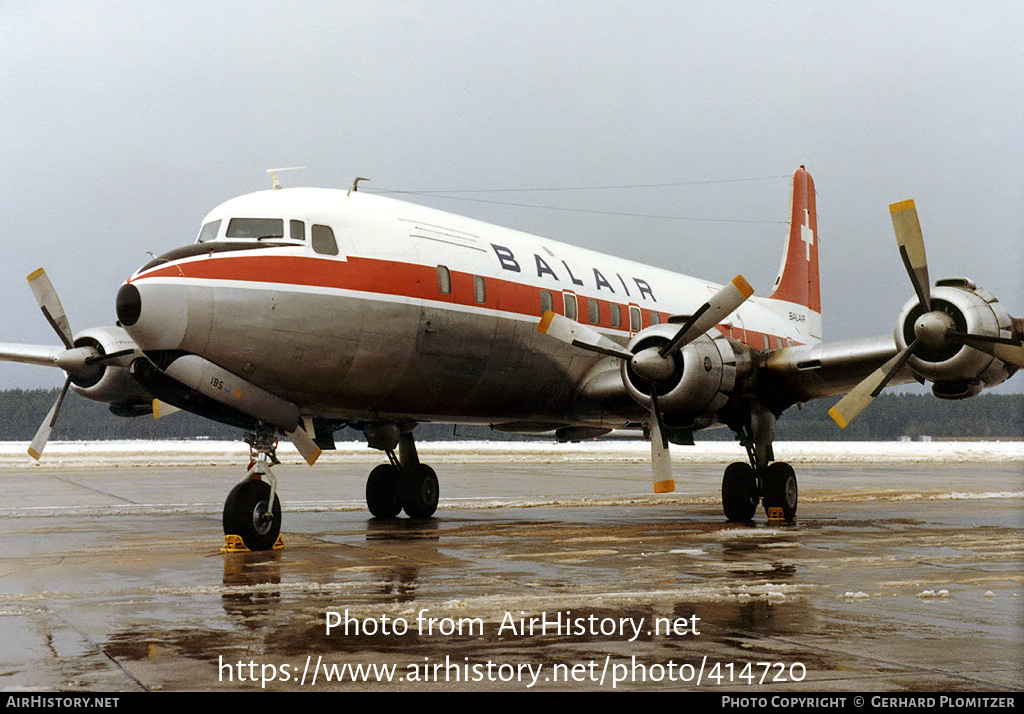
(806, 234)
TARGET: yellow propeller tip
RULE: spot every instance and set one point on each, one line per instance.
(838, 418)
(665, 486)
(901, 205)
(545, 321)
(743, 286)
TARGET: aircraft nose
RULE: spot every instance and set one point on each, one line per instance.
(153, 313)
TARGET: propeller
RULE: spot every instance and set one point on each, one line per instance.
(81, 363)
(655, 364)
(933, 329)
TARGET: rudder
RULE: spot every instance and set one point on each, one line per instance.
(798, 282)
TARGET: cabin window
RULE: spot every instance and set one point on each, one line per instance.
(634, 319)
(655, 318)
(569, 301)
(297, 230)
(258, 228)
(323, 240)
(479, 289)
(444, 280)
(595, 311)
(546, 302)
(209, 231)
(616, 313)
(766, 341)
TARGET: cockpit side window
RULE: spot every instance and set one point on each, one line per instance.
(209, 231)
(323, 240)
(297, 230)
(257, 228)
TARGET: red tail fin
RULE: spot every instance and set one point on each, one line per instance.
(798, 282)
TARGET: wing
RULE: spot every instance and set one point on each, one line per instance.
(40, 355)
(800, 374)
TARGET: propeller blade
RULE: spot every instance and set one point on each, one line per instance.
(911, 243)
(1007, 349)
(573, 333)
(110, 358)
(49, 303)
(307, 449)
(35, 449)
(661, 459)
(864, 393)
(162, 409)
(720, 306)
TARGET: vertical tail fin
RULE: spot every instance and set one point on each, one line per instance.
(798, 283)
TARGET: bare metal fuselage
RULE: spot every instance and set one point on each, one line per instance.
(421, 315)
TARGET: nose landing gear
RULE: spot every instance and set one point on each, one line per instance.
(252, 511)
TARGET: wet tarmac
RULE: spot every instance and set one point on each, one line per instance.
(535, 574)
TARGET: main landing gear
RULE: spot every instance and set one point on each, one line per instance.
(403, 484)
(743, 487)
(252, 511)
(763, 479)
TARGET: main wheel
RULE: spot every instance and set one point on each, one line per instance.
(739, 494)
(247, 514)
(382, 492)
(419, 491)
(780, 489)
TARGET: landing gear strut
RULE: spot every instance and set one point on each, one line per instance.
(248, 512)
(763, 479)
(404, 483)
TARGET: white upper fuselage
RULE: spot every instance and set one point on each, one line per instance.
(407, 311)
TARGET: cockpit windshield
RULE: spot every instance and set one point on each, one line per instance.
(209, 231)
(258, 228)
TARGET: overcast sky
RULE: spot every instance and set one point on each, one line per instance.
(123, 123)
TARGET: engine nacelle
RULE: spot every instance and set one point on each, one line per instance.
(702, 380)
(107, 382)
(956, 370)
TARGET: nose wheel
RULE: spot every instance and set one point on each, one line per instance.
(249, 515)
(252, 511)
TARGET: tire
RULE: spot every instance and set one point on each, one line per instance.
(780, 489)
(245, 505)
(382, 492)
(420, 491)
(739, 495)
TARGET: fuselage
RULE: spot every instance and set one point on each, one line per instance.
(354, 306)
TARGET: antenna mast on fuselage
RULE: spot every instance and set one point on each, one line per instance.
(274, 172)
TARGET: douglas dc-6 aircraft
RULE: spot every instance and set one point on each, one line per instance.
(301, 311)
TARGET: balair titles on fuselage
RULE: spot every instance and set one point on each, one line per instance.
(508, 261)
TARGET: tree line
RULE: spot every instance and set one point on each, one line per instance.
(890, 416)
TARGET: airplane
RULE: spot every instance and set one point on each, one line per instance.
(299, 311)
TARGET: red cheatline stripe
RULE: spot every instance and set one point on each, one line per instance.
(382, 277)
